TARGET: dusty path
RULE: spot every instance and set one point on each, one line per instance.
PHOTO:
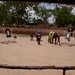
(29, 53)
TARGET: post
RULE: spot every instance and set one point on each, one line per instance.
(64, 71)
(73, 34)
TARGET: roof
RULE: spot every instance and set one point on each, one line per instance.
(70, 26)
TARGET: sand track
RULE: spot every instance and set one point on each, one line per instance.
(29, 53)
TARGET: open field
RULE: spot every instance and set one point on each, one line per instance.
(28, 53)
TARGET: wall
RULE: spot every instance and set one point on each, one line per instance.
(28, 30)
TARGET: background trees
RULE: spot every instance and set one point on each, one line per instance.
(63, 16)
(17, 12)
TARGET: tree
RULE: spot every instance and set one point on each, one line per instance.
(39, 21)
(3, 12)
(14, 12)
(42, 12)
(63, 15)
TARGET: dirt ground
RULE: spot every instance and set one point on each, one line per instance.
(25, 52)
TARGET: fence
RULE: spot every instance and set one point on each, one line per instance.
(64, 68)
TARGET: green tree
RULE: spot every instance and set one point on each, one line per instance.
(42, 12)
(63, 15)
(3, 12)
(14, 11)
(39, 21)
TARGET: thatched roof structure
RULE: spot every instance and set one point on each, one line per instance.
(45, 23)
(70, 26)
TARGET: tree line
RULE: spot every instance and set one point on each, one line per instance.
(17, 13)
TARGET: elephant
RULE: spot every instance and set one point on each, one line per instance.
(53, 35)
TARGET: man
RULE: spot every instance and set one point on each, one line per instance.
(38, 38)
(8, 32)
(31, 35)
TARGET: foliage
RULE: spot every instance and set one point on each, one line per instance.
(42, 12)
(16, 12)
(63, 16)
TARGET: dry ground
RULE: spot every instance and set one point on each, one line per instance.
(29, 53)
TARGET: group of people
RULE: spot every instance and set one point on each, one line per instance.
(38, 35)
(52, 35)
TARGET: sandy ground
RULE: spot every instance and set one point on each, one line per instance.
(28, 53)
